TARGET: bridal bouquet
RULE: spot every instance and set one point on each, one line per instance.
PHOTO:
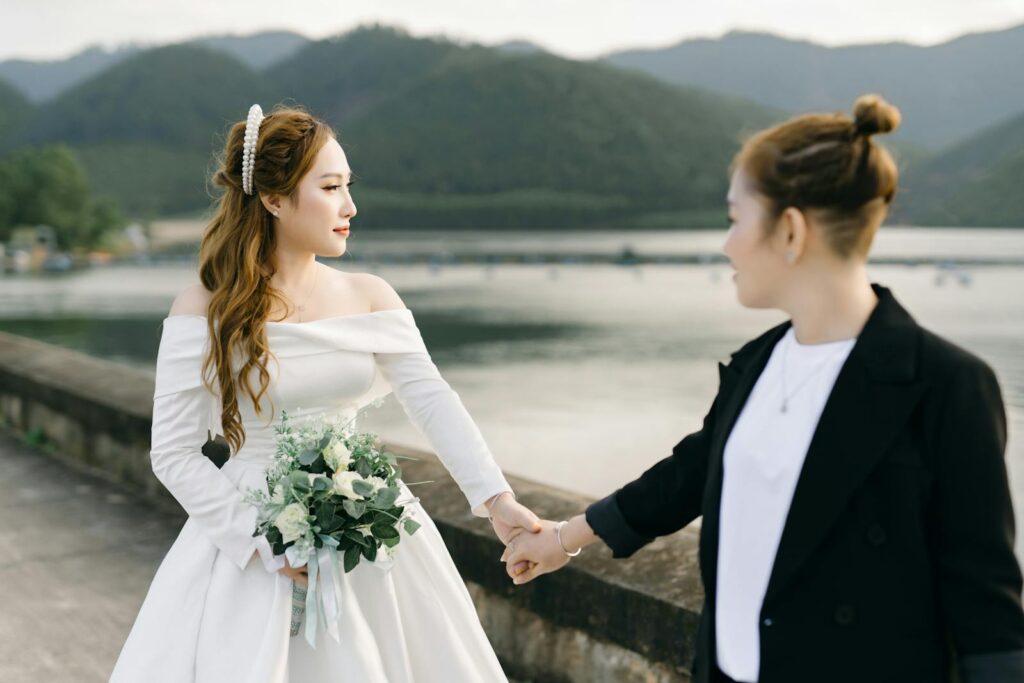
(333, 501)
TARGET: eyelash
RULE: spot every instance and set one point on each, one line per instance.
(335, 187)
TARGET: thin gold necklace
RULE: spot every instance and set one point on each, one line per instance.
(306, 301)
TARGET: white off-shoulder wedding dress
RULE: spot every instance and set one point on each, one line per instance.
(217, 610)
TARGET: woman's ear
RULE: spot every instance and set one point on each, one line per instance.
(271, 202)
(791, 234)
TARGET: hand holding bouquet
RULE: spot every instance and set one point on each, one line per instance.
(333, 501)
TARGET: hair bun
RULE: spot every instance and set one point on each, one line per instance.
(872, 114)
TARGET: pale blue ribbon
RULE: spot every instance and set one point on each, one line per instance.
(311, 601)
(323, 600)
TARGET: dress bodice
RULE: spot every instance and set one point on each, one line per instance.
(334, 365)
(318, 367)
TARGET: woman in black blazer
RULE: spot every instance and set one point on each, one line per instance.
(894, 558)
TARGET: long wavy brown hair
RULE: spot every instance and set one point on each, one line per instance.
(236, 254)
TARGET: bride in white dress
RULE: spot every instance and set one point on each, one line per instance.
(219, 607)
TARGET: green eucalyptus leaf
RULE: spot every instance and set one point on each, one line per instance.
(370, 552)
(355, 508)
(351, 558)
(382, 531)
(363, 488)
(385, 498)
(356, 537)
(364, 468)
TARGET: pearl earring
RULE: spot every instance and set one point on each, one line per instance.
(790, 257)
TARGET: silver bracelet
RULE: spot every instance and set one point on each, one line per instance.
(558, 533)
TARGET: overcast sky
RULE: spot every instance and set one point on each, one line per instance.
(53, 29)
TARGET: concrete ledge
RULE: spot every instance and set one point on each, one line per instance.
(598, 620)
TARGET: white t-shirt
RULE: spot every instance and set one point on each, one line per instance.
(762, 461)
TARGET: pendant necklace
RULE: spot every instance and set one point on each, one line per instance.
(302, 307)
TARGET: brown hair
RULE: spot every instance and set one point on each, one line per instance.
(235, 255)
(828, 164)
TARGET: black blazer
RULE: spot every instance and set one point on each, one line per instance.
(896, 561)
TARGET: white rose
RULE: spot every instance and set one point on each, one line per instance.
(337, 456)
(343, 484)
(377, 482)
(292, 522)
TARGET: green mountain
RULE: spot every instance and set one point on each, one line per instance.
(442, 134)
(589, 144)
(344, 77)
(175, 96)
(946, 92)
(43, 80)
(976, 182)
(463, 136)
(146, 128)
(258, 50)
(468, 136)
(15, 111)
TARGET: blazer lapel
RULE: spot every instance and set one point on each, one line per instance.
(736, 382)
(873, 397)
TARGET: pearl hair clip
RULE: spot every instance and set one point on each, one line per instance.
(252, 131)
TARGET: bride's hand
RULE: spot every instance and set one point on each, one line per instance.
(530, 555)
(510, 518)
(297, 574)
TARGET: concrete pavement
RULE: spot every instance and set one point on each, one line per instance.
(76, 558)
(77, 555)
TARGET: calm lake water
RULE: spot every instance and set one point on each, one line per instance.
(579, 376)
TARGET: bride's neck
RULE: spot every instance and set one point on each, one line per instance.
(293, 271)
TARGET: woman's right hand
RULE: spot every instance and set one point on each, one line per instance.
(297, 574)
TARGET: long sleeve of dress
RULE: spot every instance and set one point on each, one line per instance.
(181, 415)
(437, 411)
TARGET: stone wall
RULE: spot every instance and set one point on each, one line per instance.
(598, 620)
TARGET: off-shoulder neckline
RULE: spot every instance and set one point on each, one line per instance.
(282, 323)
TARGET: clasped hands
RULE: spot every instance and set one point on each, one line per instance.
(532, 546)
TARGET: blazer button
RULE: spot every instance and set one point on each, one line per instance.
(768, 621)
(876, 534)
(844, 615)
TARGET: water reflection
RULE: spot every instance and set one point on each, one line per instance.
(581, 379)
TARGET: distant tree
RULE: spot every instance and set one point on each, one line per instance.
(47, 185)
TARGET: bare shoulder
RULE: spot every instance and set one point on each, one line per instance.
(194, 300)
(376, 291)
